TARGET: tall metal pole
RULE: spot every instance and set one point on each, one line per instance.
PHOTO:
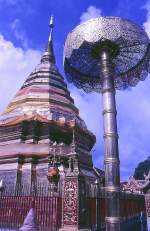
(111, 159)
(96, 43)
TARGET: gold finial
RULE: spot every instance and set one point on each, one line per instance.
(51, 24)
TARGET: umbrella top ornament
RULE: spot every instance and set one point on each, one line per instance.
(128, 46)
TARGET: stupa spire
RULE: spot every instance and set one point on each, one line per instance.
(49, 51)
(51, 24)
(44, 96)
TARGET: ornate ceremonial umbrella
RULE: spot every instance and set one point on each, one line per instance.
(102, 55)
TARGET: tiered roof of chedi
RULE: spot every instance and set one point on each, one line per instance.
(43, 112)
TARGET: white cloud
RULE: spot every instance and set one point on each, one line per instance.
(90, 110)
(147, 23)
(91, 12)
(17, 6)
(134, 127)
(15, 65)
(133, 109)
(20, 33)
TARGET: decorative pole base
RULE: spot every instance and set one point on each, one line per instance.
(71, 200)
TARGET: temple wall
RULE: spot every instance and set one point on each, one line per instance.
(25, 149)
(8, 173)
(26, 173)
(41, 173)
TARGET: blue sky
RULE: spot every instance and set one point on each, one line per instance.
(23, 36)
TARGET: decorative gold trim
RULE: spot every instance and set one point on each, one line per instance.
(108, 90)
(112, 189)
(109, 111)
(113, 219)
(110, 134)
(110, 160)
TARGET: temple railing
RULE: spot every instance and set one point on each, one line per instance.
(38, 189)
(133, 211)
(15, 203)
(14, 206)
